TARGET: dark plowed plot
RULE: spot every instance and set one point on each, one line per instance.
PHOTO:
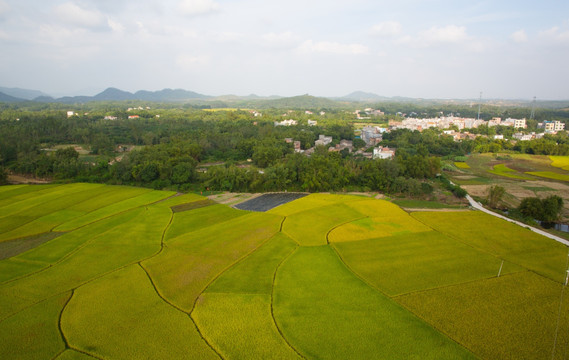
(14, 247)
(268, 201)
(193, 205)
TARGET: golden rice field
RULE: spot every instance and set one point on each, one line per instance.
(126, 273)
(461, 165)
(560, 162)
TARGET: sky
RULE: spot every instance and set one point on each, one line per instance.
(414, 48)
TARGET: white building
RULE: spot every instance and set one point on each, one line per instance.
(381, 152)
(323, 140)
(289, 122)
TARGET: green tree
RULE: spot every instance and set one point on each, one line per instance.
(495, 194)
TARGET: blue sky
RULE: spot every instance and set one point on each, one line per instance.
(429, 48)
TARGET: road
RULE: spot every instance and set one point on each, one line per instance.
(478, 206)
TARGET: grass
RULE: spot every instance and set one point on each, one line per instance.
(33, 333)
(502, 239)
(326, 312)
(503, 170)
(461, 165)
(411, 262)
(549, 175)
(240, 326)
(560, 162)
(512, 316)
(104, 318)
(423, 204)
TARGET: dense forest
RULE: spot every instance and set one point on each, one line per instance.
(187, 148)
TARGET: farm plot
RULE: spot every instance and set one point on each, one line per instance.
(549, 175)
(513, 316)
(311, 227)
(240, 326)
(33, 333)
(144, 199)
(109, 250)
(560, 162)
(326, 312)
(121, 316)
(503, 170)
(312, 201)
(502, 239)
(200, 218)
(268, 201)
(417, 261)
(191, 261)
(234, 312)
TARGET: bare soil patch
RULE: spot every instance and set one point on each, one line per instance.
(192, 205)
(14, 247)
(21, 179)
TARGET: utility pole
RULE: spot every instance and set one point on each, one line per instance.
(479, 103)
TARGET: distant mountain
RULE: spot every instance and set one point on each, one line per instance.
(8, 98)
(168, 95)
(25, 94)
(362, 96)
(113, 94)
(300, 102)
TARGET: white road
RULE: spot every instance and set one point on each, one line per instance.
(479, 206)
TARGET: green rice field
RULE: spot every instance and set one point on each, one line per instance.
(108, 272)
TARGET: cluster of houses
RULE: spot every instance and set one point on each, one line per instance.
(380, 152)
(291, 122)
(367, 113)
(447, 122)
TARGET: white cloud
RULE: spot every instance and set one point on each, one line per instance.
(229, 36)
(333, 48)
(282, 40)
(519, 36)
(386, 29)
(447, 34)
(115, 26)
(555, 34)
(4, 8)
(198, 7)
(191, 62)
(72, 14)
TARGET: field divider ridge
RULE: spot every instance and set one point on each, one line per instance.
(178, 308)
(215, 278)
(337, 226)
(272, 302)
(65, 341)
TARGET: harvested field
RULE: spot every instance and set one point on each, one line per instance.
(266, 202)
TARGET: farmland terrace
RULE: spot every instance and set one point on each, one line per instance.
(136, 273)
